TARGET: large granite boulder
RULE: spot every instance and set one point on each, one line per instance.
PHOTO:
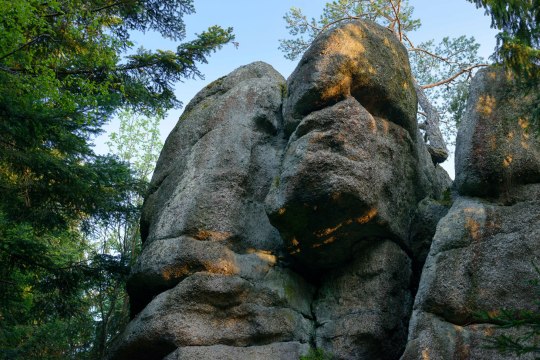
(208, 309)
(274, 351)
(353, 169)
(363, 308)
(496, 147)
(341, 181)
(207, 193)
(481, 261)
(346, 176)
(210, 272)
(352, 175)
(483, 255)
(359, 59)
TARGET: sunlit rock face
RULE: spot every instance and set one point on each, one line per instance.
(496, 148)
(359, 59)
(484, 251)
(280, 215)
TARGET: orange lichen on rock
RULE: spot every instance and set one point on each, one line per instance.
(212, 235)
(486, 104)
(174, 272)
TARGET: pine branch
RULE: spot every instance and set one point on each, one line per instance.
(453, 77)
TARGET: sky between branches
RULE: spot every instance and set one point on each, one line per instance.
(258, 25)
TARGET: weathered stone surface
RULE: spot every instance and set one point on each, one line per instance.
(480, 261)
(210, 271)
(208, 309)
(482, 255)
(275, 351)
(359, 59)
(437, 339)
(496, 147)
(362, 309)
(210, 183)
(216, 280)
(218, 162)
(164, 263)
(346, 176)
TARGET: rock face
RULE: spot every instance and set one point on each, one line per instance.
(482, 255)
(286, 215)
(496, 147)
(210, 183)
(363, 308)
(351, 170)
(209, 272)
(358, 59)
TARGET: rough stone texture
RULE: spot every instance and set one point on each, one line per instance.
(210, 271)
(210, 182)
(437, 339)
(482, 255)
(363, 308)
(277, 351)
(424, 224)
(342, 182)
(163, 263)
(496, 148)
(346, 176)
(480, 261)
(359, 59)
(209, 309)
(218, 162)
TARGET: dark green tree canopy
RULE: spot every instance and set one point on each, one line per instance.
(63, 74)
(518, 42)
(66, 68)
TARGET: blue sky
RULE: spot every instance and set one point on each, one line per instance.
(258, 25)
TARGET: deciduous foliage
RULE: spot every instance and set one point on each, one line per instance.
(66, 67)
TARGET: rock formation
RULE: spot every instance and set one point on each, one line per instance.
(482, 255)
(288, 215)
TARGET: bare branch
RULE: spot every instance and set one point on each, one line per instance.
(397, 20)
(453, 77)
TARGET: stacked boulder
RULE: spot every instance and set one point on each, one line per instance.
(285, 215)
(484, 252)
(352, 174)
(208, 280)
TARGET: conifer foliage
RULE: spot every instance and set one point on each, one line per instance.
(67, 67)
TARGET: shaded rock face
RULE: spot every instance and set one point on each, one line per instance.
(482, 255)
(281, 214)
(363, 308)
(210, 182)
(209, 271)
(351, 171)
